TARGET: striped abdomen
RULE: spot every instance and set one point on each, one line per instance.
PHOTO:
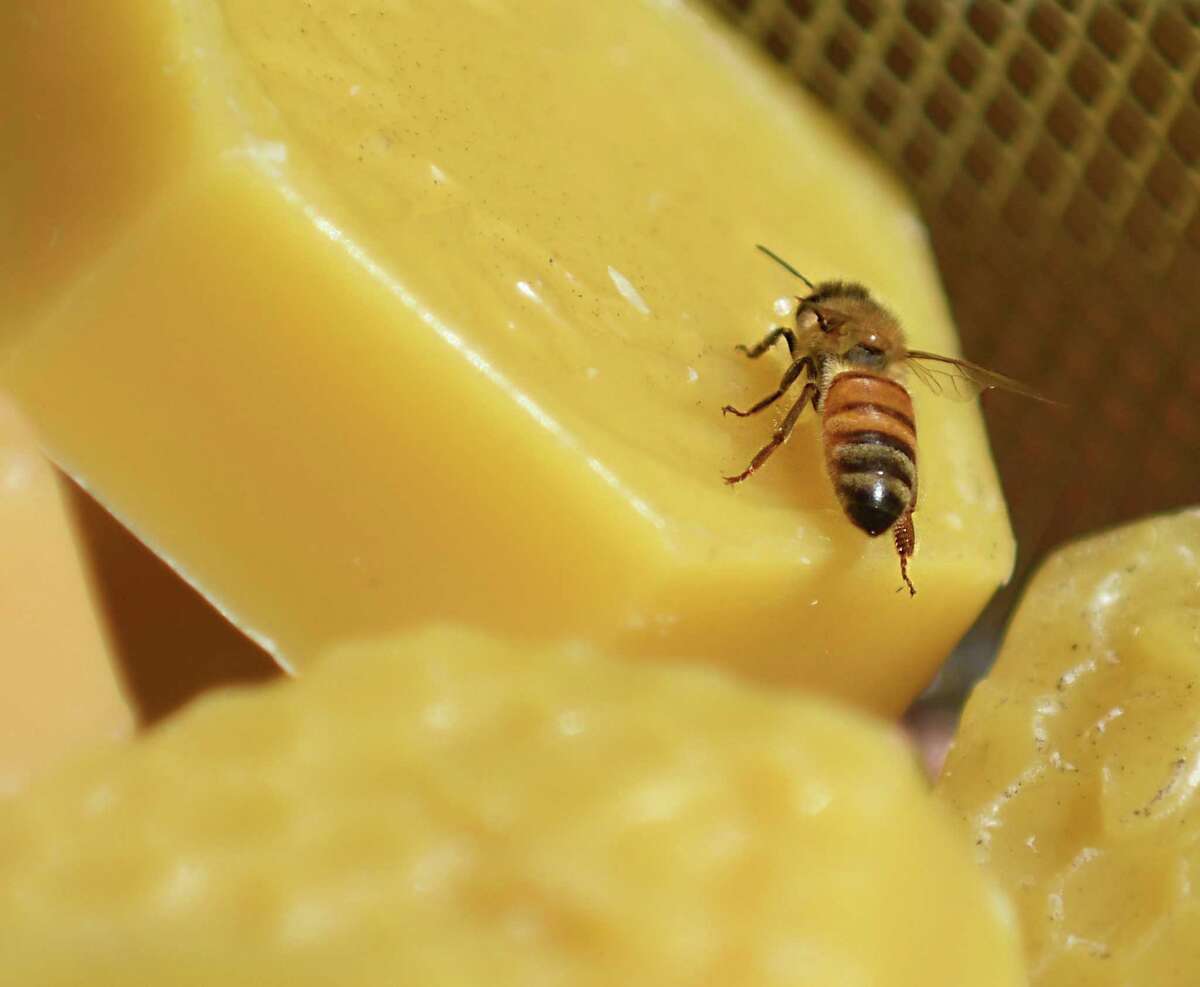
(870, 448)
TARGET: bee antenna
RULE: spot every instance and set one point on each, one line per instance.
(786, 266)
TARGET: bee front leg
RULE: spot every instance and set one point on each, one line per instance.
(789, 378)
(809, 394)
(769, 340)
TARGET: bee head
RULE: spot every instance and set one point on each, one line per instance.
(841, 319)
(855, 329)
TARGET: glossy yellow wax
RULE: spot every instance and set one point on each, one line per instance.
(448, 809)
(368, 315)
(1076, 765)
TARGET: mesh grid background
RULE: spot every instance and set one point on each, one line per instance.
(1054, 148)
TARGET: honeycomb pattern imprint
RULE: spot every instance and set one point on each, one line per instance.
(1077, 762)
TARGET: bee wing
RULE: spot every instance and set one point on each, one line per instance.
(933, 379)
(961, 380)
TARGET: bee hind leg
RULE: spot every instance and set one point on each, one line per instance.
(905, 538)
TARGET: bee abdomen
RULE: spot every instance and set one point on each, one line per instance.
(871, 449)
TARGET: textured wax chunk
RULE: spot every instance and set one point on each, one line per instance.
(365, 315)
(446, 809)
(59, 691)
(1078, 760)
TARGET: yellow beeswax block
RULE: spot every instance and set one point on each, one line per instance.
(448, 809)
(59, 693)
(1078, 760)
(365, 315)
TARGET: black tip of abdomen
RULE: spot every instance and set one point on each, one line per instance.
(874, 508)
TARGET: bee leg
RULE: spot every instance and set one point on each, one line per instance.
(906, 540)
(769, 340)
(789, 378)
(809, 394)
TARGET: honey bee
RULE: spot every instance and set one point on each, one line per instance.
(853, 351)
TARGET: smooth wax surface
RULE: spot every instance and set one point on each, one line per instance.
(1078, 759)
(452, 810)
(366, 314)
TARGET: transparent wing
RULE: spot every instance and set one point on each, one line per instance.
(961, 380)
(942, 383)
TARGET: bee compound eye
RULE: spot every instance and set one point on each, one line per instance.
(864, 353)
